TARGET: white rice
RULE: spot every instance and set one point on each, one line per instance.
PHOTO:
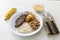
(25, 28)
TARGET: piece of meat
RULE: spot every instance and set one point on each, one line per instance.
(20, 20)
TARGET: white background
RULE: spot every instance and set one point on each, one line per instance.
(5, 31)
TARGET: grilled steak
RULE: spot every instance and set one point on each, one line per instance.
(20, 20)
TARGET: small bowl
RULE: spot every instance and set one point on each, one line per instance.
(16, 15)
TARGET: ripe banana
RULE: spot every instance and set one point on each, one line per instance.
(10, 13)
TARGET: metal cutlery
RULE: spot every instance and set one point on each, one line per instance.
(46, 25)
(53, 24)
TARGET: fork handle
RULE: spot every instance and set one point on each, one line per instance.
(48, 26)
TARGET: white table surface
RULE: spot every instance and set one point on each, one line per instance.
(5, 31)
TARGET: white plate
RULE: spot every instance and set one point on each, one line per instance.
(14, 17)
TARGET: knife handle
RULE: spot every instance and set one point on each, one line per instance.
(54, 27)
